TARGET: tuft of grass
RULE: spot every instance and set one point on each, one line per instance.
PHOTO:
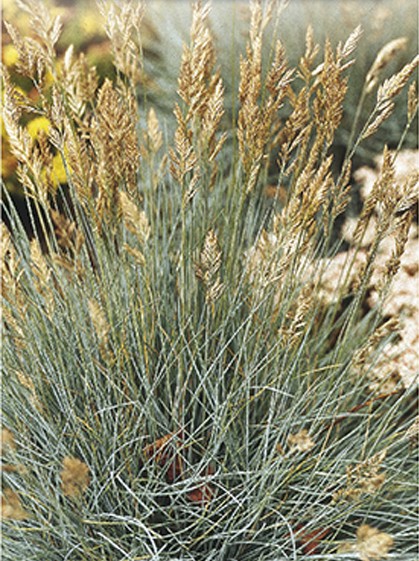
(182, 379)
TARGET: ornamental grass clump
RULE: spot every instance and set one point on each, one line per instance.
(183, 379)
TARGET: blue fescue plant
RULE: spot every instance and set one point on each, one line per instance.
(178, 383)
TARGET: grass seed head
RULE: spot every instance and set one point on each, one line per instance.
(75, 477)
(11, 506)
(383, 58)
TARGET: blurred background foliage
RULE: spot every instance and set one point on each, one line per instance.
(166, 28)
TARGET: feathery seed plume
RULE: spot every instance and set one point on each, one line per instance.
(384, 56)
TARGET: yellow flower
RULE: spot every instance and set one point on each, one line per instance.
(90, 24)
(10, 55)
(49, 79)
(55, 172)
(37, 125)
(58, 174)
(11, 12)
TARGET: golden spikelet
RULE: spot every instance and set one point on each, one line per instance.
(134, 219)
(154, 136)
(10, 269)
(262, 267)
(195, 76)
(28, 383)
(47, 28)
(300, 442)
(306, 199)
(56, 116)
(371, 544)
(330, 94)
(115, 142)
(80, 81)
(259, 104)
(400, 234)
(31, 56)
(412, 101)
(386, 109)
(192, 187)
(412, 432)
(408, 198)
(68, 235)
(99, 321)
(363, 478)
(36, 56)
(35, 169)
(386, 94)
(384, 192)
(42, 276)
(7, 449)
(123, 27)
(183, 158)
(75, 477)
(384, 56)
(7, 442)
(84, 167)
(382, 332)
(210, 257)
(15, 329)
(20, 141)
(296, 318)
(296, 131)
(39, 264)
(210, 146)
(307, 61)
(11, 507)
(349, 47)
(136, 253)
(202, 92)
(208, 267)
